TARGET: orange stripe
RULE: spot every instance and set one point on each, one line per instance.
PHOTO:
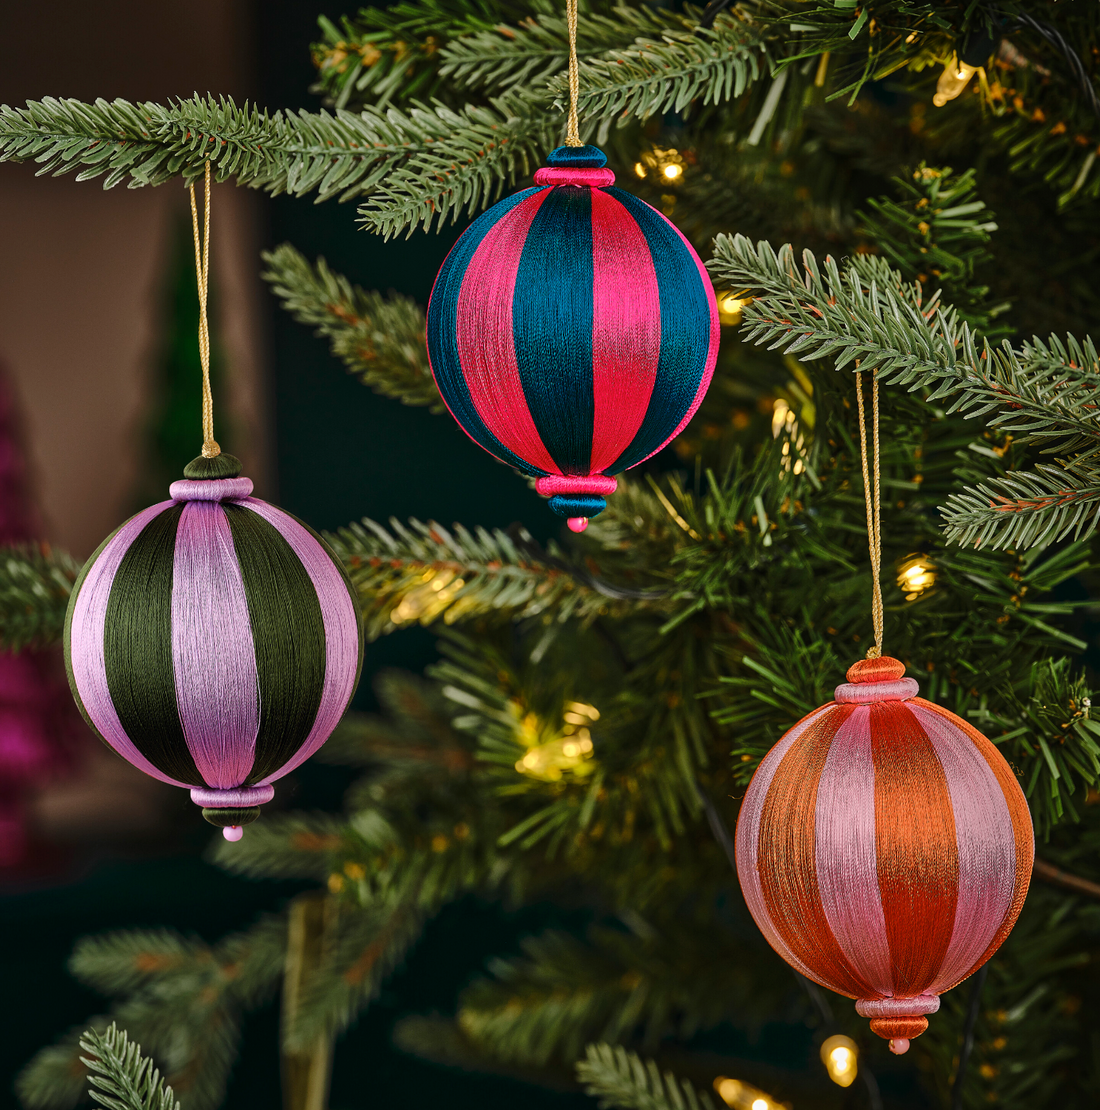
(918, 859)
(1021, 825)
(787, 858)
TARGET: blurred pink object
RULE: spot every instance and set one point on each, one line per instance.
(37, 727)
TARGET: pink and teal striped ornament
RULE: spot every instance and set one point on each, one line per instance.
(214, 641)
(573, 331)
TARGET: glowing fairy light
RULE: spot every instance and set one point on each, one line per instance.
(672, 171)
(743, 1096)
(916, 574)
(840, 1055)
(730, 305)
(553, 753)
(955, 77)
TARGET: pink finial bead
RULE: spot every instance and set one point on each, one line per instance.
(577, 523)
(235, 832)
(899, 1046)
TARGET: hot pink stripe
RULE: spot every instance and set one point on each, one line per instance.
(626, 328)
(341, 629)
(987, 846)
(486, 345)
(86, 637)
(715, 335)
(213, 654)
(847, 878)
(747, 840)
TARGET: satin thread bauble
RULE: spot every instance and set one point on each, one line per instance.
(214, 641)
(572, 331)
(884, 849)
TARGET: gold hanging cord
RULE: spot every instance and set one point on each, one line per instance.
(210, 448)
(871, 500)
(572, 136)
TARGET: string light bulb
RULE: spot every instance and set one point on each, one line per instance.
(730, 305)
(744, 1096)
(840, 1055)
(916, 574)
(955, 77)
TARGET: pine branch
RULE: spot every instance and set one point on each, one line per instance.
(35, 583)
(869, 316)
(485, 150)
(388, 54)
(1046, 729)
(120, 962)
(55, 1078)
(379, 339)
(284, 846)
(121, 1078)
(622, 1079)
(470, 153)
(423, 573)
(564, 992)
(669, 73)
(529, 53)
(368, 945)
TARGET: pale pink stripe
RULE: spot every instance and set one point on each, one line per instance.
(485, 340)
(341, 623)
(987, 846)
(626, 328)
(213, 654)
(715, 335)
(863, 693)
(747, 841)
(847, 875)
(86, 640)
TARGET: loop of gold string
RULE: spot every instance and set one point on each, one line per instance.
(210, 448)
(872, 501)
(572, 135)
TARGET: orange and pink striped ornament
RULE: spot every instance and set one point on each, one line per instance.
(884, 848)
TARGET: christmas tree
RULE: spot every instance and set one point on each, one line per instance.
(904, 187)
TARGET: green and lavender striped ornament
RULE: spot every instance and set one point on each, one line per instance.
(214, 641)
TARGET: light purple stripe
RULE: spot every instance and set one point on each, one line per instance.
(847, 874)
(341, 629)
(748, 839)
(213, 655)
(86, 642)
(986, 842)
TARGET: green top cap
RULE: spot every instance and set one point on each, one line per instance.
(224, 466)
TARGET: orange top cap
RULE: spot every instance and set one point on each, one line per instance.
(883, 669)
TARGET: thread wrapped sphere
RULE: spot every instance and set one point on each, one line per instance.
(885, 848)
(214, 642)
(572, 331)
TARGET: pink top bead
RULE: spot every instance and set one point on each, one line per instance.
(211, 489)
(574, 175)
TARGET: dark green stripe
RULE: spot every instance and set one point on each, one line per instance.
(137, 649)
(289, 634)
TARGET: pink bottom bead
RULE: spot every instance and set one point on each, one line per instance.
(577, 523)
(235, 832)
(899, 1046)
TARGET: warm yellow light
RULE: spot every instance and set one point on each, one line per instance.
(915, 575)
(955, 77)
(730, 306)
(759, 1104)
(728, 1090)
(672, 171)
(840, 1056)
(639, 169)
